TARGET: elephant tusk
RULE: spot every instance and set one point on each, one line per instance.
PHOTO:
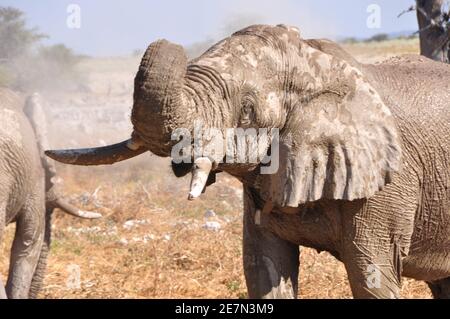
(135, 144)
(200, 172)
(72, 210)
(100, 155)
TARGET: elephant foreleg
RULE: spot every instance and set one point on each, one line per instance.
(2, 290)
(26, 249)
(373, 277)
(2, 223)
(372, 254)
(271, 264)
(440, 288)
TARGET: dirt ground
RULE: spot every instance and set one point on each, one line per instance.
(152, 242)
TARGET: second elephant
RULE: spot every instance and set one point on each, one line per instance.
(27, 195)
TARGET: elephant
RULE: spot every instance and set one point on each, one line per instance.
(28, 195)
(362, 151)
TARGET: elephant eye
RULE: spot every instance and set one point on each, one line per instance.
(247, 111)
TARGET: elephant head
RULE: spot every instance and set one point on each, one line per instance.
(337, 139)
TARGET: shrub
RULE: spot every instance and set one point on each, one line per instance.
(24, 66)
(16, 38)
(379, 38)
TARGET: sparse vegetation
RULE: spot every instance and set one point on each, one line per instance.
(26, 66)
(378, 38)
(370, 52)
(16, 37)
(166, 253)
(350, 40)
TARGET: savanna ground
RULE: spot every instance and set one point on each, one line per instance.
(152, 242)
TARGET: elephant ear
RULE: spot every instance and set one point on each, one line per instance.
(340, 143)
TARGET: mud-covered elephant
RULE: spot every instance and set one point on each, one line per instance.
(27, 193)
(364, 158)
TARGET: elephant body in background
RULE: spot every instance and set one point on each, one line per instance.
(364, 155)
(22, 195)
(27, 195)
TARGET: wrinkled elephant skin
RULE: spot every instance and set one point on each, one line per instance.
(364, 156)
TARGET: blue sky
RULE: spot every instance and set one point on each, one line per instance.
(118, 27)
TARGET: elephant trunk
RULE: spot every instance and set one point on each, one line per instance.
(160, 105)
(163, 102)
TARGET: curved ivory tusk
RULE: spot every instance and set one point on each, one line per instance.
(72, 210)
(200, 173)
(99, 155)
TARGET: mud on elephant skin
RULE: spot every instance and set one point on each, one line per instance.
(27, 193)
(364, 153)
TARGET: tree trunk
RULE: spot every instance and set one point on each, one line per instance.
(433, 40)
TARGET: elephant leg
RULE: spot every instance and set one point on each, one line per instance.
(2, 223)
(373, 277)
(271, 264)
(2, 287)
(26, 249)
(2, 290)
(440, 288)
(38, 277)
(371, 254)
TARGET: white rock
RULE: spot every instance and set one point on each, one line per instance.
(123, 241)
(166, 237)
(130, 224)
(210, 213)
(148, 237)
(84, 230)
(213, 226)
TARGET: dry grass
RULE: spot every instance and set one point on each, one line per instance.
(374, 52)
(170, 255)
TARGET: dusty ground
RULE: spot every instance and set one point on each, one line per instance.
(152, 242)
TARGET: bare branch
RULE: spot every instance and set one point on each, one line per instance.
(410, 9)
